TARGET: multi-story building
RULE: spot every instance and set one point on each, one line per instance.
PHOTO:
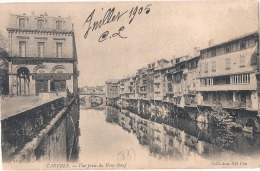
(42, 54)
(169, 86)
(121, 88)
(142, 83)
(228, 73)
(222, 74)
(112, 89)
(130, 89)
(179, 80)
(159, 83)
(127, 87)
(191, 81)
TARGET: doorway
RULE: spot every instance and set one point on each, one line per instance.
(41, 86)
(23, 81)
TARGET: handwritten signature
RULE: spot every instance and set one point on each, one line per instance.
(111, 16)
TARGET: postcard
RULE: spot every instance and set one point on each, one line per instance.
(130, 85)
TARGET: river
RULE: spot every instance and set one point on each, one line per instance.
(114, 138)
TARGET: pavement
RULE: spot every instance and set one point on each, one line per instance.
(11, 106)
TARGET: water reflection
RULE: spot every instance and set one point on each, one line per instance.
(182, 138)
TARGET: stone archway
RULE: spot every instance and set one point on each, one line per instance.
(23, 81)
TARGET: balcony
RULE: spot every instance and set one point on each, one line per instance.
(231, 87)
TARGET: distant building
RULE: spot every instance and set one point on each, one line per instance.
(42, 54)
(142, 83)
(228, 73)
(112, 89)
(159, 84)
(93, 90)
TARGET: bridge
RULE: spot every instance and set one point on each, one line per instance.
(88, 101)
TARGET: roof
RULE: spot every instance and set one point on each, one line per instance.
(232, 40)
(112, 81)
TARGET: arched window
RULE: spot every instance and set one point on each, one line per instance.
(40, 23)
(58, 25)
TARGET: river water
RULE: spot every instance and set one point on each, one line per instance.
(111, 138)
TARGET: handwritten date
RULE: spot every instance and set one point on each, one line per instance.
(111, 16)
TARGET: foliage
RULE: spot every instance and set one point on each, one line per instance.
(223, 121)
(3, 43)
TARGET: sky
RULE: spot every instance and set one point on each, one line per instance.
(171, 28)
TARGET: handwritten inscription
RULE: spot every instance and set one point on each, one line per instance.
(112, 16)
(105, 35)
(128, 154)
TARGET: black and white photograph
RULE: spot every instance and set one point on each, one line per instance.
(119, 85)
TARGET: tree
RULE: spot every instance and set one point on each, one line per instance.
(4, 81)
(3, 43)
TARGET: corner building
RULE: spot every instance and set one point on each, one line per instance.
(42, 54)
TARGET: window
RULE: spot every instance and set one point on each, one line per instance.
(214, 66)
(228, 63)
(242, 61)
(57, 85)
(22, 49)
(252, 42)
(240, 79)
(194, 64)
(206, 67)
(213, 52)
(205, 96)
(218, 51)
(227, 49)
(40, 23)
(58, 25)
(59, 50)
(22, 22)
(40, 49)
(242, 45)
(229, 96)
(235, 47)
(254, 59)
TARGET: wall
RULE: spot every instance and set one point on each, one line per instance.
(56, 139)
(235, 63)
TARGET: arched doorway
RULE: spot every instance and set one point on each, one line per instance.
(41, 83)
(23, 81)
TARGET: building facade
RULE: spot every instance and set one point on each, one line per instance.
(223, 75)
(112, 89)
(228, 73)
(42, 54)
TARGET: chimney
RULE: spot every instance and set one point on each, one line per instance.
(211, 42)
(173, 61)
